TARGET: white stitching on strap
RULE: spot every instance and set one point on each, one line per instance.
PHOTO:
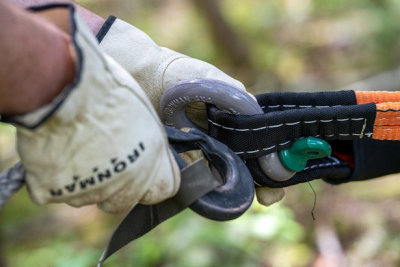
(241, 130)
(291, 124)
(287, 142)
(269, 148)
(334, 159)
(320, 165)
(261, 128)
(363, 128)
(276, 106)
(275, 126)
(334, 163)
(300, 106)
(350, 134)
(280, 125)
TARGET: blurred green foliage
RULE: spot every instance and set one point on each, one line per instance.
(291, 45)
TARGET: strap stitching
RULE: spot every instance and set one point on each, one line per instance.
(334, 163)
(363, 129)
(369, 134)
(287, 142)
(280, 125)
(321, 165)
(384, 119)
(299, 106)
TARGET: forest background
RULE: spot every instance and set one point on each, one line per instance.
(270, 45)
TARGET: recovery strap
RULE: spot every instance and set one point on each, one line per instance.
(355, 123)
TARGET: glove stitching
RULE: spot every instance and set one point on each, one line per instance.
(165, 68)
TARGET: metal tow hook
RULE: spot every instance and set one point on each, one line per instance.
(236, 192)
(236, 101)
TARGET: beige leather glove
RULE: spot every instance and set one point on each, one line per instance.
(100, 141)
(158, 68)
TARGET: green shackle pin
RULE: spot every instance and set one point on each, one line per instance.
(296, 156)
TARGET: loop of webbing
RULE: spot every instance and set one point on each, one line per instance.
(197, 180)
(253, 136)
(225, 97)
(330, 168)
(343, 117)
(277, 120)
(199, 189)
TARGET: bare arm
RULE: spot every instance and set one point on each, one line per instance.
(36, 60)
(93, 20)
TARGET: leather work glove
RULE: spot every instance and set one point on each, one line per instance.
(158, 68)
(100, 141)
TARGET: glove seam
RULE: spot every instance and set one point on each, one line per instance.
(163, 67)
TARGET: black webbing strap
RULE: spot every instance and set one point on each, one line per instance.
(233, 194)
(290, 116)
(333, 116)
(197, 181)
(372, 159)
(327, 168)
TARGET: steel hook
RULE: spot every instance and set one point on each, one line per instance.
(226, 98)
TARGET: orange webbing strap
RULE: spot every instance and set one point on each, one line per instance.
(387, 121)
(364, 97)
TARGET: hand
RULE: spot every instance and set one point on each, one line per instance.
(157, 68)
(100, 141)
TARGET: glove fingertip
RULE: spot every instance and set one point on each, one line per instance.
(267, 196)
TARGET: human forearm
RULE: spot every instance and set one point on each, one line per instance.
(93, 20)
(36, 60)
